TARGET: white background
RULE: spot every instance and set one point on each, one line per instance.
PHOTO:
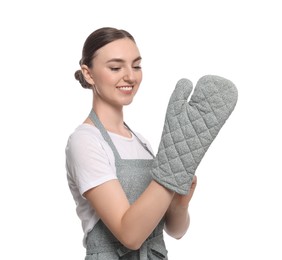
(236, 209)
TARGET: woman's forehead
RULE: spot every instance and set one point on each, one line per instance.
(122, 49)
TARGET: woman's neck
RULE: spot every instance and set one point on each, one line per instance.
(112, 119)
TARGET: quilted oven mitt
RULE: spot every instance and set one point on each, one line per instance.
(190, 128)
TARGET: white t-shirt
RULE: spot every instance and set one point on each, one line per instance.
(90, 162)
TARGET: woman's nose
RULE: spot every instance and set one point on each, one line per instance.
(129, 75)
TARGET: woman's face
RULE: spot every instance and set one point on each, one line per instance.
(116, 72)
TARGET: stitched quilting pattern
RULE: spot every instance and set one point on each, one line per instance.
(190, 128)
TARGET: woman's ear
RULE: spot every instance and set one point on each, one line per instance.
(87, 75)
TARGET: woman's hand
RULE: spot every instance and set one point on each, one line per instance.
(182, 201)
(177, 218)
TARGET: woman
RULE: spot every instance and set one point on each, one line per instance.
(122, 210)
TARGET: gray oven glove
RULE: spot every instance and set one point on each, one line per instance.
(190, 128)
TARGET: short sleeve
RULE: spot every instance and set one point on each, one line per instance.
(87, 161)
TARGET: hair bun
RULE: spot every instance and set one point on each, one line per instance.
(79, 76)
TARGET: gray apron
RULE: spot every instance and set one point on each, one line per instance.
(134, 176)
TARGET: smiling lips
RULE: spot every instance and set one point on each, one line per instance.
(125, 89)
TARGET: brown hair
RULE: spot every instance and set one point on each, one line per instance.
(95, 41)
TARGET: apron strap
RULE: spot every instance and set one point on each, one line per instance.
(153, 246)
(96, 121)
(143, 144)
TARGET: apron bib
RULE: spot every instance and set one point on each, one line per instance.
(134, 176)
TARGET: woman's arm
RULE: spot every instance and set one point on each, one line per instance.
(131, 224)
(88, 164)
(177, 217)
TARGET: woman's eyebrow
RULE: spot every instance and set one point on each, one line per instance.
(123, 61)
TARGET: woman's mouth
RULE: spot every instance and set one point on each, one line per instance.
(125, 89)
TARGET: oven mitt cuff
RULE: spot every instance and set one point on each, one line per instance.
(190, 128)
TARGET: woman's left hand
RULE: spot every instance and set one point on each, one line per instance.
(183, 201)
(177, 216)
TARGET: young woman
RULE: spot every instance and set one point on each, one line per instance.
(122, 210)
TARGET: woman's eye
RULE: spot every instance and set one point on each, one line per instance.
(137, 67)
(114, 69)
